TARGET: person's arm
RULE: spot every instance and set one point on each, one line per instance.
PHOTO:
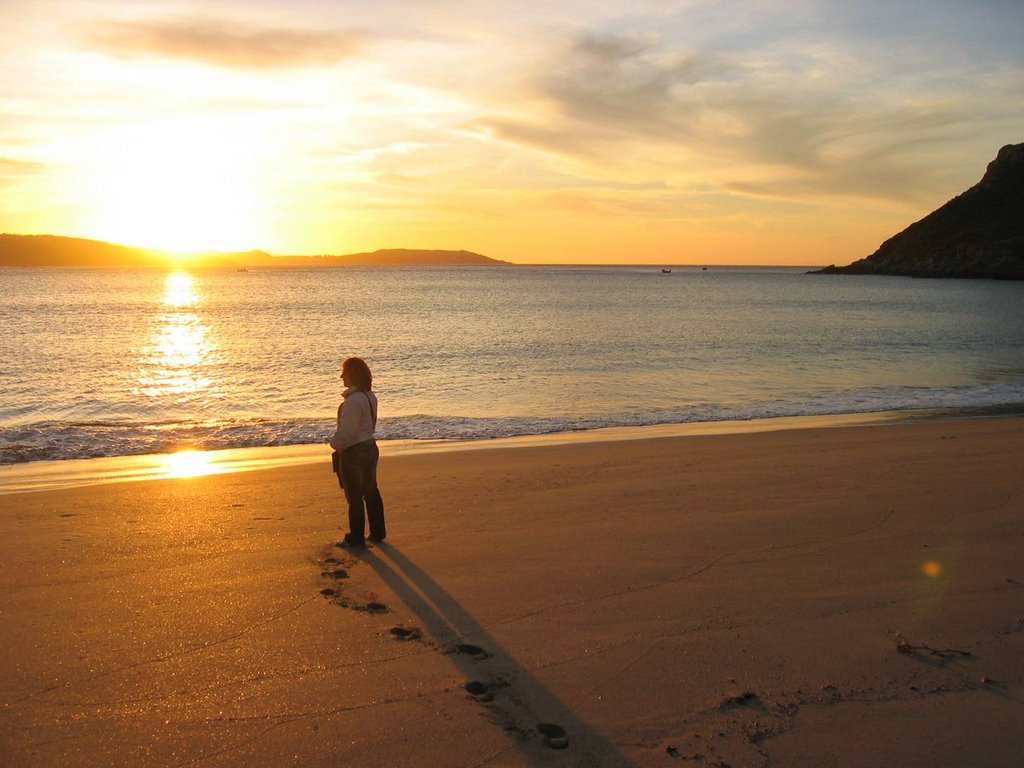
(333, 439)
(349, 417)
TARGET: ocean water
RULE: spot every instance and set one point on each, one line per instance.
(100, 362)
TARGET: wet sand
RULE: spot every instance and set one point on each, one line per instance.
(846, 596)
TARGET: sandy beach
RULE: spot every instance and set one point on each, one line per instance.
(829, 596)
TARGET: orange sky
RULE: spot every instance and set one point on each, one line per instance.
(582, 132)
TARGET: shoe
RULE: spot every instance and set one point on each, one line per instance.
(347, 543)
(375, 537)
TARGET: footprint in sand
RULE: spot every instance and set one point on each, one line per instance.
(554, 735)
(375, 608)
(404, 633)
(341, 573)
(747, 698)
(479, 691)
(474, 651)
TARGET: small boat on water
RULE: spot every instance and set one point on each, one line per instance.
(666, 271)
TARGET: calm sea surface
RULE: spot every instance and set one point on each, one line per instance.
(116, 362)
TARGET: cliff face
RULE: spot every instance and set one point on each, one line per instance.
(979, 233)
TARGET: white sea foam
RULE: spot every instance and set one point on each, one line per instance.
(52, 441)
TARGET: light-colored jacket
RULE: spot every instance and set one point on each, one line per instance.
(355, 419)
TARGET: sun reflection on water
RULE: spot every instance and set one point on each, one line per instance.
(181, 350)
(179, 290)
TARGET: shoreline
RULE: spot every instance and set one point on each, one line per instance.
(41, 476)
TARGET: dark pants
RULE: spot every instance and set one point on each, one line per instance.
(359, 481)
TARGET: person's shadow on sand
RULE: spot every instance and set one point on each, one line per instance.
(520, 703)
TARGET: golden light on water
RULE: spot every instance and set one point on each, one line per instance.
(188, 463)
(931, 569)
(181, 349)
(179, 290)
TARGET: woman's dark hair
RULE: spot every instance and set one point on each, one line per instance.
(357, 368)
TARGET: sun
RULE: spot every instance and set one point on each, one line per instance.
(174, 186)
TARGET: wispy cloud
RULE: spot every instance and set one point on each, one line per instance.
(629, 84)
(13, 168)
(227, 43)
(802, 122)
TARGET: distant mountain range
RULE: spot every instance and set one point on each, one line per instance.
(54, 251)
(979, 233)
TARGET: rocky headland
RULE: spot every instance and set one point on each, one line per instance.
(978, 234)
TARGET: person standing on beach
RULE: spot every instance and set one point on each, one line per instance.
(358, 454)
